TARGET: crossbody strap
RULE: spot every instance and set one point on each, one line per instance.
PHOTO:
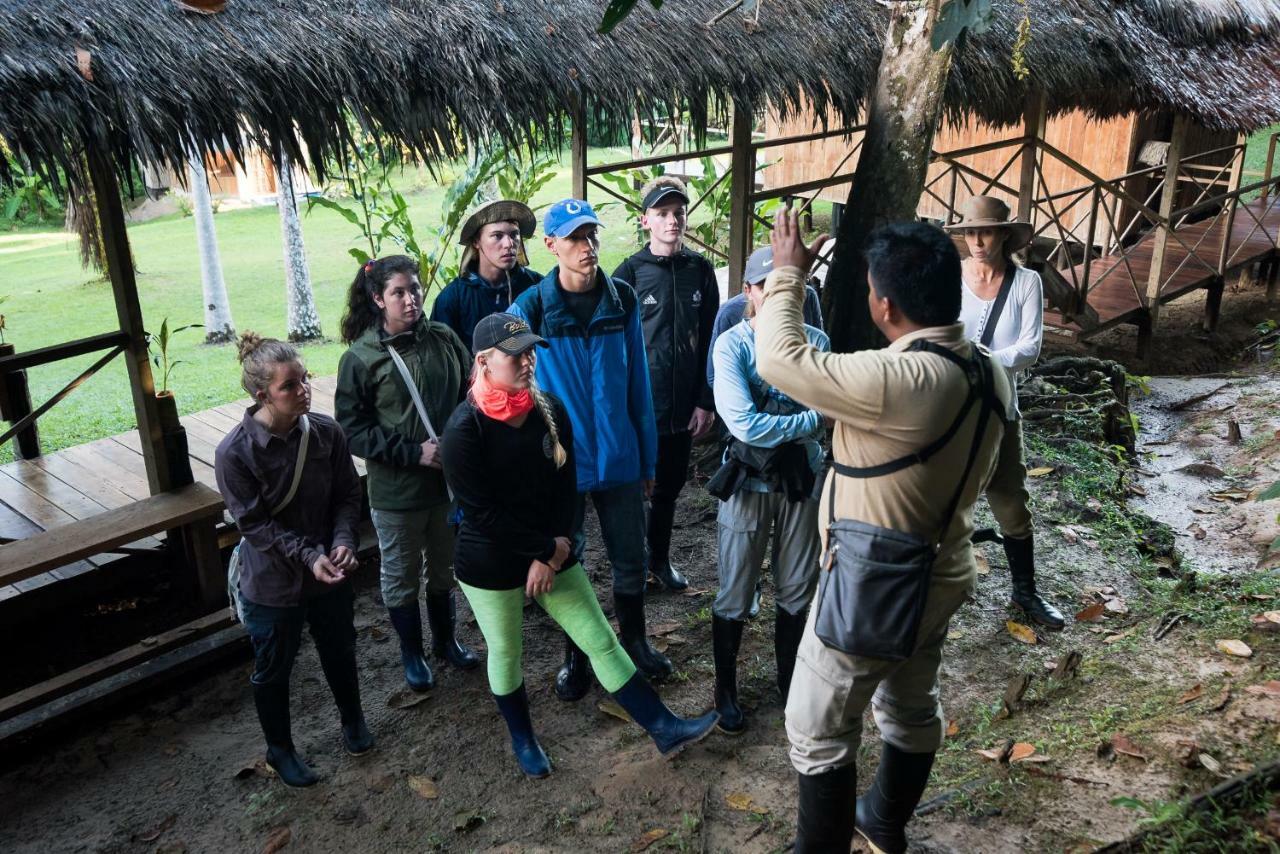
(997, 308)
(417, 401)
(305, 424)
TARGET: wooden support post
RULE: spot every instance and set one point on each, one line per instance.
(1035, 119)
(1237, 172)
(578, 151)
(1168, 199)
(1213, 304)
(741, 185)
(203, 556)
(124, 286)
(1273, 275)
(15, 404)
(1143, 322)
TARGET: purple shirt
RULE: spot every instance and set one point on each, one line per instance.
(254, 469)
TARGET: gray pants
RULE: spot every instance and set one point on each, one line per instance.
(831, 690)
(414, 544)
(745, 521)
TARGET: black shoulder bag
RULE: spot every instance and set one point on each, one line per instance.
(871, 594)
(997, 308)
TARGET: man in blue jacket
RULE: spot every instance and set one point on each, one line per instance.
(491, 274)
(595, 363)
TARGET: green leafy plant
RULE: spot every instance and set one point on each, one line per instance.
(619, 9)
(521, 181)
(159, 347)
(30, 198)
(2, 323)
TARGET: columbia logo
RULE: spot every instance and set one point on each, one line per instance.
(649, 300)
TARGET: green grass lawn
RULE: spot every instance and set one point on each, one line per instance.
(52, 299)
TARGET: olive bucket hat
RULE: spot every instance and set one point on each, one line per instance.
(989, 212)
(502, 210)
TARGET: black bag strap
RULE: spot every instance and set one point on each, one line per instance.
(997, 308)
(977, 365)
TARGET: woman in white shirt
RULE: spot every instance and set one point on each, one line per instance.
(1002, 308)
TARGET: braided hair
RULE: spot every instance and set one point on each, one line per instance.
(545, 409)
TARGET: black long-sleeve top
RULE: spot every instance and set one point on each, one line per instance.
(254, 469)
(514, 500)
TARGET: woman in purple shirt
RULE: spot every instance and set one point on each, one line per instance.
(299, 544)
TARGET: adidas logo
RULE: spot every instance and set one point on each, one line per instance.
(649, 300)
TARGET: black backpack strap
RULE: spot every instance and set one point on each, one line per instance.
(997, 308)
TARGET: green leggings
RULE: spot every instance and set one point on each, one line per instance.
(571, 603)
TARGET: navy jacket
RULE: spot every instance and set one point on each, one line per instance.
(470, 298)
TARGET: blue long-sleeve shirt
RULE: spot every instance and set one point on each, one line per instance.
(741, 396)
(731, 313)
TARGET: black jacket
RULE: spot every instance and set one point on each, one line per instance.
(678, 298)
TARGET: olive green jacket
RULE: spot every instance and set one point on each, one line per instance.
(373, 406)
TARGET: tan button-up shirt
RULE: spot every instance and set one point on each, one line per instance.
(887, 404)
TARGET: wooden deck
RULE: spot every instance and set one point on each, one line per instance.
(85, 480)
(1118, 284)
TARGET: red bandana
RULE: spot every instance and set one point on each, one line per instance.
(499, 404)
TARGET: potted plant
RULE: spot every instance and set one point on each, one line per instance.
(175, 436)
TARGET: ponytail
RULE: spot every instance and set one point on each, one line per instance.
(548, 413)
(370, 281)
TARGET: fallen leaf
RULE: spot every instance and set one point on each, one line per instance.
(467, 820)
(1040, 471)
(1021, 633)
(277, 839)
(660, 644)
(1266, 622)
(693, 594)
(1092, 613)
(984, 565)
(406, 699)
(953, 729)
(1238, 648)
(1233, 431)
(648, 838)
(1021, 751)
(1068, 666)
(1210, 764)
(379, 783)
(424, 787)
(377, 635)
(1069, 534)
(1116, 605)
(1192, 693)
(1230, 495)
(1123, 744)
(252, 767)
(742, 802)
(955, 634)
(1134, 489)
(1196, 531)
(993, 753)
(156, 832)
(663, 628)
(1270, 688)
(1119, 636)
(1224, 697)
(1205, 470)
(609, 707)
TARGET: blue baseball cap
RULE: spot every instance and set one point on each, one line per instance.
(566, 216)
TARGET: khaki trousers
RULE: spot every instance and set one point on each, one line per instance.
(831, 689)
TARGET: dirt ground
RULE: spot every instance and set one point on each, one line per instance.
(179, 773)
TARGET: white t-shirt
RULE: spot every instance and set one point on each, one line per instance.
(1019, 329)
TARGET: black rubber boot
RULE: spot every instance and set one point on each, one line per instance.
(573, 679)
(272, 702)
(338, 662)
(883, 812)
(1022, 566)
(442, 614)
(824, 823)
(668, 576)
(631, 631)
(407, 620)
(514, 707)
(787, 630)
(669, 732)
(726, 637)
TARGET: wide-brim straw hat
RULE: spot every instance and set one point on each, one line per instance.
(989, 212)
(503, 210)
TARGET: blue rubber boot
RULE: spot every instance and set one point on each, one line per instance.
(407, 620)
(669, 732)
(524, 744)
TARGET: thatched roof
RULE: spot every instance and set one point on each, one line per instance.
(433, 75)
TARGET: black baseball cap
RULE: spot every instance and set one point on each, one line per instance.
(508, 333)
(662, 193)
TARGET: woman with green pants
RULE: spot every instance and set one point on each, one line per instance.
(510, 468)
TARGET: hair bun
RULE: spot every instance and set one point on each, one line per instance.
(249, 341)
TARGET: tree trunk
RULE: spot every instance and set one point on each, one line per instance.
(303, 321)
(218, 326)
(902, 116)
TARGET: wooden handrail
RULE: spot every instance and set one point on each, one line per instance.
(58, 352)
(31, 417)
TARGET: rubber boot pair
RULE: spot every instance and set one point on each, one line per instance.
(726, 639)
(882, 814)
(1022, 568)
(529, 754)
(573, 679)
(442, 614)
(407, 620)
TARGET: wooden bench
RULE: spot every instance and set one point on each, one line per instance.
(195, 510)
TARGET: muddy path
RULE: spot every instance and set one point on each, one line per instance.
(1148, 698)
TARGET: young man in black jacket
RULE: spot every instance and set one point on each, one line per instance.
(678, 298)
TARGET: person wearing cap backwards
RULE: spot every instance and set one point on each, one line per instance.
(492, 273)
(508, 455)
(678, 298)
(1002, 308)
(770, 432)
(595, 363)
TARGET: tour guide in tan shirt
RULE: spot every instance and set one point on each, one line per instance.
(885, 404)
